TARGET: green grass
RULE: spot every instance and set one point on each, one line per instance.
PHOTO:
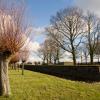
(37, 86)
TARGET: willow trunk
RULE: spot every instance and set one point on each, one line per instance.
(4, 79)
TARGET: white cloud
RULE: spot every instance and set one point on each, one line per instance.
(67, 57)
(92, 5)
(67, 54)
(38, 30)
(33, 46)
(33, 58)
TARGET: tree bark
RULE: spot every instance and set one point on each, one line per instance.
(50, 59)
(91, 58)
(73, 54)
(4, 79)
(44, 60)
(98, 58)
(23, 68)
(74, 58)
(55, 61)
(58, 56)
(85, 55)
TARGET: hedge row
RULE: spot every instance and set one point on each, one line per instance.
(81, 73)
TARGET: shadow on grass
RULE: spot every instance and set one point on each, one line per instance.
(4, 98)
(77, 73)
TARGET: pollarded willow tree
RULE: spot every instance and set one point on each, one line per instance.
(68, 24)
(14, 59)
(24, 55)
(12, 38)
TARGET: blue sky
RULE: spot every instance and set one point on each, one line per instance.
(40, 11)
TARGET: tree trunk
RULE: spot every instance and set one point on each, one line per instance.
(22, 68)
(54, 61)
(85, 55)
(98, 58)
(74, 58)
(47, 60)
(86, 60)
(81, 59)
(73, 54)
(58, 56)
(91, 58)
(4, 79)
(44, 60)
(50, 59)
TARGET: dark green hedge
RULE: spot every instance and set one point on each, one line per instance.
(81, 73)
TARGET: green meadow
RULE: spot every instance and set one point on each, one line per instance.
(37, 86)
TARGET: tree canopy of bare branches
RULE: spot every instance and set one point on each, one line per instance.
(92, 35)
(68, 25)
(50, 52)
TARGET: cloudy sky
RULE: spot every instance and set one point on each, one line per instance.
(40, 12)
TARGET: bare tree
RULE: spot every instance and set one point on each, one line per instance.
(97, 51)
(55, 51)
(83, 53)
(92, 33)
(50, 52)
(68, 25)
(46, 49)
(12, 38)
(41, 53)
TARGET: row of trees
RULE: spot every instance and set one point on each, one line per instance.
(50, 52)
(19, 58)
(73, 30)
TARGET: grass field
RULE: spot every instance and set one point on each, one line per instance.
(37, 86)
